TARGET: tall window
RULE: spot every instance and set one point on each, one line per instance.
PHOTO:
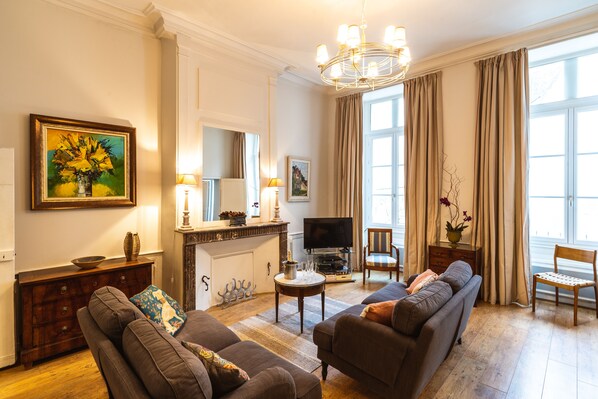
(563, 146)
(384, 171)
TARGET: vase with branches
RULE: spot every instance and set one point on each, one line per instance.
(457, 218)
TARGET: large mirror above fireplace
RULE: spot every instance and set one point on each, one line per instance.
(231, 180)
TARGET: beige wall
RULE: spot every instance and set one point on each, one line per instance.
(302, 131)
(61, 63)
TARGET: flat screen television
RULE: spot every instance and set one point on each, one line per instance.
(327, 233)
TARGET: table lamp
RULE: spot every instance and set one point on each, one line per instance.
(276, 182)
(186, 180)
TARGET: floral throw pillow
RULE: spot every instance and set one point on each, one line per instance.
(224, 375)
(157, 306)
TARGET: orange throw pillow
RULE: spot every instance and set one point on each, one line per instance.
(380, 312)
(419, 279)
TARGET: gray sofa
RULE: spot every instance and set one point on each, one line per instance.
(138, 359)
(397, 361)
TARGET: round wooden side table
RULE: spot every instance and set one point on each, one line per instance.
(300, 287)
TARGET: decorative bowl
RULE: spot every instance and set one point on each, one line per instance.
(88, 262)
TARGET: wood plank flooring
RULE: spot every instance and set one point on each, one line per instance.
(507, 352)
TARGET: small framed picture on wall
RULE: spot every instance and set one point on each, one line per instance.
(298, 179)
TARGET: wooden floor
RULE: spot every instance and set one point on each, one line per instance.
(507, 352)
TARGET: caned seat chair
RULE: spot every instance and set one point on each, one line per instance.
(377, 253)
(559, 280)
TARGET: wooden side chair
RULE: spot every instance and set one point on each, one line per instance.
(377, 253)
(559, 280)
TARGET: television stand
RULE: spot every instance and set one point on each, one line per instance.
(334, 263)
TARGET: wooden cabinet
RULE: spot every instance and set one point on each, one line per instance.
(48, 300)
(441, 255)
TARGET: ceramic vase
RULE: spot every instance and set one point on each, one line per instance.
(131, 246)
(454, 236)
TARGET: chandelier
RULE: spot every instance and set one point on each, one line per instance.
(362, 64)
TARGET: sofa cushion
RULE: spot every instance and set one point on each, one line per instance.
(205, 329)
(411, 312)
(424, 277)
(457, 275)
(224, 375)
(157, 306)
(166, 368)
(380, 312)
(112, 312)
(254, 358)
(394, 290)
(324, 330)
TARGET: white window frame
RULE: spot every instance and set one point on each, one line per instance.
(395, 132)
(542, 248)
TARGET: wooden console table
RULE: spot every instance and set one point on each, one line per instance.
(442, 254)
(48, 299)
(191, 238)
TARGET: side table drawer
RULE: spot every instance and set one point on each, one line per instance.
(55, 291)
(58, 310)
(56, 332)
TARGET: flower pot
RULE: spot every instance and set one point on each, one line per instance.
(454, 236)
(238, 221)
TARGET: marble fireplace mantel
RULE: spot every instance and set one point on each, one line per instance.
(192, 238)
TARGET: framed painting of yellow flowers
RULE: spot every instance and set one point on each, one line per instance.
(79, 164)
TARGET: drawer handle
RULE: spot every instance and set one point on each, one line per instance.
(123, 277)
(95, 283)
(64, 329)
(65, 309)
(63, 290)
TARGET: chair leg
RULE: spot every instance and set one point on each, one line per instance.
(556, 290)
(397, 272)
(363, 275)
(390, 272)
(534, 295)
(369, 273)
(576, 294)
(324, 370)
(596, 296)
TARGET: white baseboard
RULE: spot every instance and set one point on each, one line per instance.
(7, 360)
(566, 297)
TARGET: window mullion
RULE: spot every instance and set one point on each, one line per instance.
(571, 162)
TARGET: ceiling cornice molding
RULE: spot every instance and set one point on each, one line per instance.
(557, 29)
(169, 24)
(116, 15)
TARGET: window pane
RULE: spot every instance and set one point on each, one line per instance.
(382, 180)
(587, 131)
(587, 78)
(547, 83)
(401, 150)
(381, 209)
(587, 185)
(547, 217)
(587, 219)
(401, 173)
(401, 113)
(401, 204)
(547, 176)
(382, 151)
(381, 115)
(547, 135)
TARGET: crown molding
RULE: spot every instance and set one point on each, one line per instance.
(117, 15)
(169, 24)
(557, 29)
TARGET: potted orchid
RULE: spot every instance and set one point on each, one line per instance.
(455, 225)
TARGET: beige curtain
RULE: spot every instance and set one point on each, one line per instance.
(423, 168)
(239, 155)
(500, 224)
(348, 165)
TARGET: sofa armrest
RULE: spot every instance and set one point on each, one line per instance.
(272, 383)
(384, 353)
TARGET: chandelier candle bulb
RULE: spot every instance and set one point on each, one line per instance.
(353, 36)
(399, 37)
(390, 34)
(322, 54)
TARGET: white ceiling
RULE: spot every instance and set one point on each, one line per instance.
(291, 29)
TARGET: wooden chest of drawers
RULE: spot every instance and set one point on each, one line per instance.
(441, 255)
(48, 299)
